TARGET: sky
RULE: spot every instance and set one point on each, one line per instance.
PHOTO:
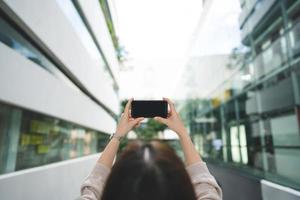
(157, 35)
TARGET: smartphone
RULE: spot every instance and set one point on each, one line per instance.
(149, 109)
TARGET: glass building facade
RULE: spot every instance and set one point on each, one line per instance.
(252, 124)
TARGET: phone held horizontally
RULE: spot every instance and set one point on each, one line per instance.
(149, 109)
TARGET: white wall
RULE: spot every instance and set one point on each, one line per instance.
(58, 181)
(27, 85)
(51, 26)
(93, 13)
(273, 191)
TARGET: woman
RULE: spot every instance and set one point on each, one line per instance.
(150, 170)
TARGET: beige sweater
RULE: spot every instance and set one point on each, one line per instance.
(204, 183)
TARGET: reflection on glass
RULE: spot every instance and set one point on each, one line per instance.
(286, 160)
(198, 140)
(224, 141)
(285, 130)
(271, 58)
(295, 38)
(260, 114)
(243, 144)
(30, 139)
(268, 143)
(235, 150)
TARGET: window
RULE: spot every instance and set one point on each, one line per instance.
(29, 139)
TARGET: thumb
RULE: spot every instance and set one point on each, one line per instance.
(137, 120)
(137, 125)
(161, 120)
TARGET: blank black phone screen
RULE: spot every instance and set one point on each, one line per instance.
(149, 109)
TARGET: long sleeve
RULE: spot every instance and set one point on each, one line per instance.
(204, 183)
(93, 185)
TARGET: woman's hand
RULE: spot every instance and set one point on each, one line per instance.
(125, 125)
(173, 120)
(126, 122)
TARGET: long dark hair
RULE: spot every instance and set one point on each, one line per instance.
(148, 171)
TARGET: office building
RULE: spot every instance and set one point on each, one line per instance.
(250, 135)
(58, 94)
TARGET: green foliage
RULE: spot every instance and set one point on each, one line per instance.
(149, 130)
(109, 23)
(123, 104)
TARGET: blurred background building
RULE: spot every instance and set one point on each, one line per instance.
(247, 128)
(231, 66)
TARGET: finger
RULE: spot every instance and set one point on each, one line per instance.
(129, 114)
(137, 120)
(128, 105)
(137, 125)
(161, 120)
(171, 104)
(169, 114)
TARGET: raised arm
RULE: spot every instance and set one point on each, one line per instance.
(92, 187)
(175, 123)
(204, 183)
(125, 125)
